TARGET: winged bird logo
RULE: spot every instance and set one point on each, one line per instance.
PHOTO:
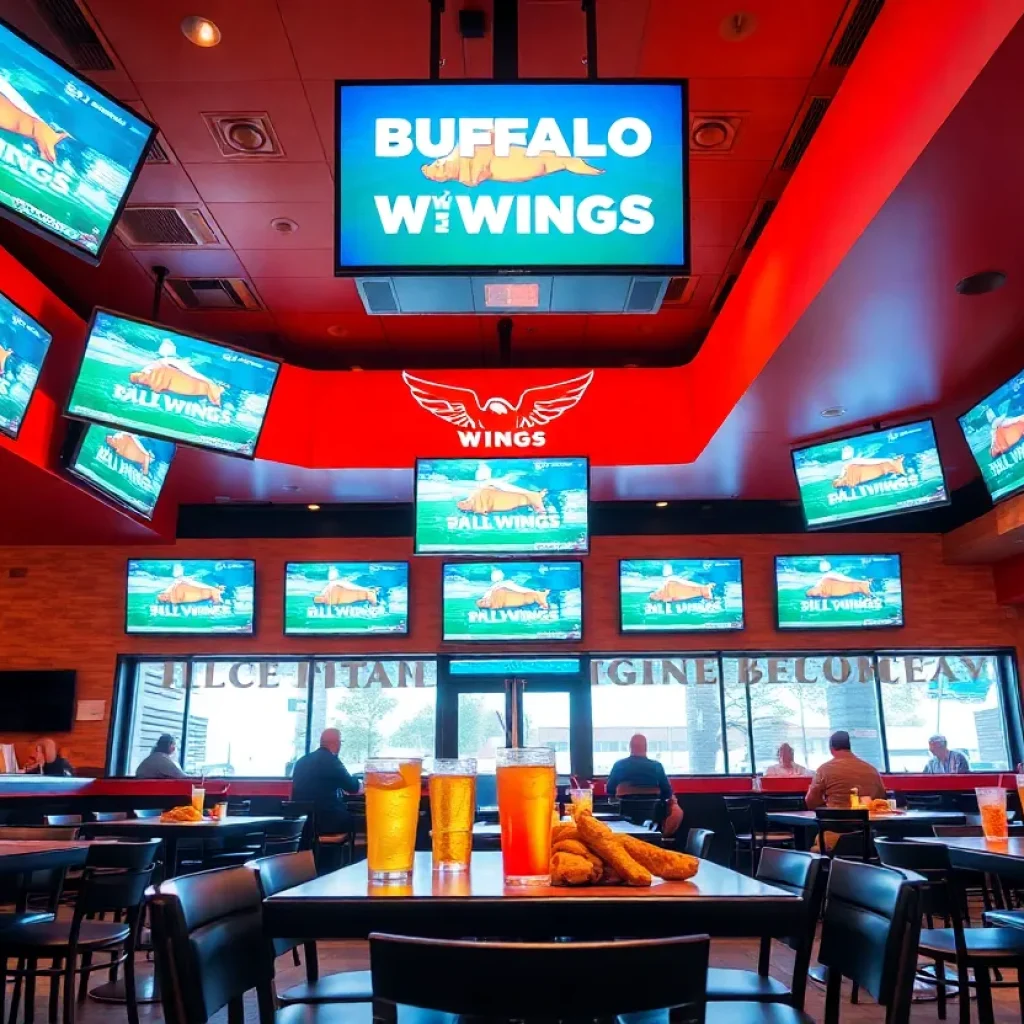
(498, 422)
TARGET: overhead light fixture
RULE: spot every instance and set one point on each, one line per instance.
(313, 508)
(661, 504)
(982, 283)
(200, 31)
(284, 225)
(833, 412)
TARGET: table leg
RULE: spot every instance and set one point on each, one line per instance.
(147, 989)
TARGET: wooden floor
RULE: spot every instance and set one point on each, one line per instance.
(337, 956)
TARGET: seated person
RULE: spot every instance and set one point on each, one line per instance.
(319, 779)
(786, 767)
(160, 764)
(945, 761)
(835, 779)
(639, 774)
(46, 761)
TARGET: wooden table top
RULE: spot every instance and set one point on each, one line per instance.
(17, 856)
(807, 818)
(156, 827)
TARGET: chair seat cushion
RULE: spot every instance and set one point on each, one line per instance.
(983, 943)
(56, 935)
(15, 920)
(345, 987)
(354, 1013)
(744, 986)
(999, 918)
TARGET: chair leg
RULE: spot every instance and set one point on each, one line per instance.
(295, 957)
(984, 989)
(69, 988)
(1020, 989)
(83, 983)
(55, 989)
(940, 989)
(129, 986)
(236, 1011)
(30, 991)
(854, 994)
(16, 994)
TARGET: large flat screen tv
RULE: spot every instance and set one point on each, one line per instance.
(23, 347)
(37, 701)
(346, 598)
(680, 595)
(512, 601)
(838, 591)
(151, 380)
(201, 596)
(867, 476)
(126, 468)
(501, 506)
(994, 429)
(69, 152)
(487, 177)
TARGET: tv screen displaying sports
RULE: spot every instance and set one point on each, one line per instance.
(69, 153)
(23, 347)
(202, 596)
(682, 595)
(871, 475)
(501, 506)
(456, 177)
(512, 601)
(127, 468)
(346, 598)
(152, 380)
(994, 429)
(838, 591)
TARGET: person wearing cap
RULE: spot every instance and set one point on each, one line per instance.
(835, 779)
(945, 761)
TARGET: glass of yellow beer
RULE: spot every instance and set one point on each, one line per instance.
(392, 811)
(452, 810)
(526, 793)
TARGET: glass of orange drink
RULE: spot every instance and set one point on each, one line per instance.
(992, 805)
(1020, 790)
(452, 789)
(392, 787)
(582, 800)
(526, 793)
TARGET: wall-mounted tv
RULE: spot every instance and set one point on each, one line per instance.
(346, 598)
(129, 469)
(69, 152)
(994, 429)
(487, 506)
(870, 475)
(512, 601)
(680, 595)
(151, 380)
(838, 591)
(202, 596)
(484, 176)
(23, 347)
(37, 701)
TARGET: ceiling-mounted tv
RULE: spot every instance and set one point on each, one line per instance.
(512, 601)
(838, 591)
(69, 152)
(346, 598)
(202, 596)
(129, 469)
(511, 177)
(680, 595)
(151, 380)
(867, 476)
(501, 506)
(994, 430)
(23, 347)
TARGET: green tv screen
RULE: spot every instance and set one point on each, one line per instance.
(346, 598)
(838, 591)
(681, 595)
(23, 347)
(501, 506)
(124, 467)
(200, 596)
(69, 153)
(152, 380)
(994, 429)
(871, 475)
(512, 601)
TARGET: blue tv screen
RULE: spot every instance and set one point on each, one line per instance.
(994, 429)
(346, 598)
(680, 595)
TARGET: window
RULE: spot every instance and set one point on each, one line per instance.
(546, 724)
(481, 728)
(159, 707)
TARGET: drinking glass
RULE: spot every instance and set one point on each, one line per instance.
(526, 794)
(392, 810)
(582, 800)
(198, 797)
(992, 805)
(1020, 790)
(452, 810)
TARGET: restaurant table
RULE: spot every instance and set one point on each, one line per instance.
(900, 824)
(22, 857)
(1001, 857)
(488, 837)
(344, 905)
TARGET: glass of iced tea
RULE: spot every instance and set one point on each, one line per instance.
(452, 810)
(198, 798)
(992, 805)
(526, 793)
(582, 800)
(392, 787)
(1020, 790)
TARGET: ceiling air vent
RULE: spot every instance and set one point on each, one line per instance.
(158, 153)
(808, 126)
(143, 227)
(767, 209)
(223, 293)
(855, 33)
(679, 291)
(244, 135)
(723, 293)
(84, 50)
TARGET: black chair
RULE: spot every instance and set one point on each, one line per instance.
(640, 807)
(970, 949)
(924, 801)
(844, 832)
(330, 851)
(636, 977)
(698, 842)
(284, 836)
(41, 891)
(746, 816)
(58, 820)
(111, 815)
(285, 871)
(803, 875)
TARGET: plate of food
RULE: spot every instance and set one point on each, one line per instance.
(186, 815)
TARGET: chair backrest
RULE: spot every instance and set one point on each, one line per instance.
(870, 935)
(783, 803)
(208, 943)
(850, 829)
(636, 977)
(279, 872)
(639, 807)
(742, 812)
(293, 810)
(147, 812)
(924, 801)
(62, 819)
(698, 842)
(284, 836)
(940, 891)
(116, 876)
(110, 815)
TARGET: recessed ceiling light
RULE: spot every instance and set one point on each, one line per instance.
(284, 225)
(832, 412)
(982, 283)
(661, 504)
(200, 31)
(313, 508)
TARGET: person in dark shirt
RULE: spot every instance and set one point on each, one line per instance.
(47, 761)
(319, 779)
(638, 773)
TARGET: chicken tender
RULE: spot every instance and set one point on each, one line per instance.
(566, 831)
(569, 869)
(574, 846)
(608, 877)
(667, 864)
(602, 841)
